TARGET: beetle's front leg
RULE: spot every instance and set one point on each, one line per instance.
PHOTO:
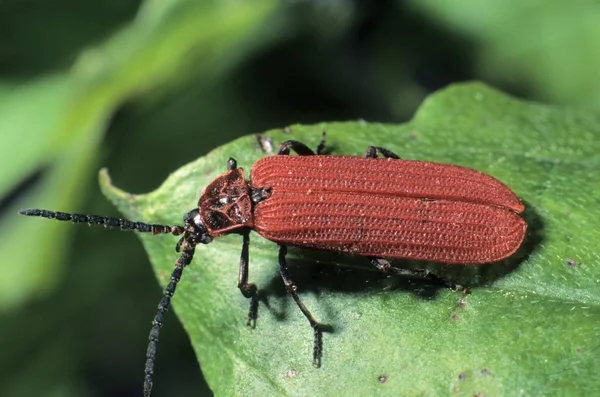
(231, 164)
(249, 290)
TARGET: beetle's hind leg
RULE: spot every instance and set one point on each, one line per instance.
(249, 290)
(374, 151)
(423, 274)
(384, 266)
(292, 289)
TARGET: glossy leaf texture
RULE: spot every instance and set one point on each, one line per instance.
(528, 326)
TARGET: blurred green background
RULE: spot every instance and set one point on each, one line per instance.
(143, 87)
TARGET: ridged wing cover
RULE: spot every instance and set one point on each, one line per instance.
(387, 208)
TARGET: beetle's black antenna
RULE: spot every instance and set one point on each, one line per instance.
(193, 232)
(188, 246)
(105, 221)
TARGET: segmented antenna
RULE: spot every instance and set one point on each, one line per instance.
(188, 248)
(187, 245)
(108, 222)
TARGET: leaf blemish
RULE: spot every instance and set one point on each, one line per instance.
(484, 372)
(292, 373)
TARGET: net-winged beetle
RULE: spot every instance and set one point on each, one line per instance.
(371, 206)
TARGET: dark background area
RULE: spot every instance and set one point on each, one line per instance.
(86, 333)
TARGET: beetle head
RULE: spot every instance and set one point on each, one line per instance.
(195, 227)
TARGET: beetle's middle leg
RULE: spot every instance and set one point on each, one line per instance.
(249, 290)
(292, 289)
(374, 151)
(300, 148)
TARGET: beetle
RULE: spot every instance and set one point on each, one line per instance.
(377, 206)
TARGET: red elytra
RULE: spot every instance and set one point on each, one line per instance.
(376, 207)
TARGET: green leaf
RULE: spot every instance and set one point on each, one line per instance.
(529, 329)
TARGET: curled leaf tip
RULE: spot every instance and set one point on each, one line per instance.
(104, 178)
(107, 188)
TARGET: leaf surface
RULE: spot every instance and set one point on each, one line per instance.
(529, 325)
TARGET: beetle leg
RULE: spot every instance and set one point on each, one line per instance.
(381, 264)
(249, 290)
(422, 274)
(265, 143)
(231, 164)
(292, 289)
(321, 145)
(373, 151)
(298, 147)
